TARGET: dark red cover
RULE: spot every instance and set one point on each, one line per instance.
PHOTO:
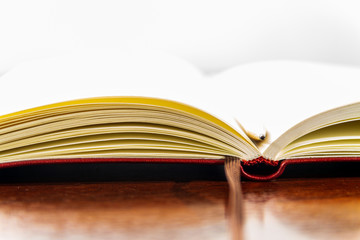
(278, 166)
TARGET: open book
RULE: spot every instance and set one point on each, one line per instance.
(143, 129)
(184, 117)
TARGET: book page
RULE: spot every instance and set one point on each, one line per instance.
(86, 74)
(265, 96)
(100, 73)
(276, 95)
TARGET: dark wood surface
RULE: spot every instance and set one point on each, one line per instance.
(326, 208)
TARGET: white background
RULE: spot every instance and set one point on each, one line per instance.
(213, 35)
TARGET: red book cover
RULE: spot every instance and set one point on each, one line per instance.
(249, 169)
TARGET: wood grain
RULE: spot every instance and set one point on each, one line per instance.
(325, 208)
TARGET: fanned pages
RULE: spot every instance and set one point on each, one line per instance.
(119, 127)
(334, 133)
(152, 128)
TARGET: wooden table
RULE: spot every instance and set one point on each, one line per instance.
(325, 208)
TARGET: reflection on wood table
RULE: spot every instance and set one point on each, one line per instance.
(283, 209)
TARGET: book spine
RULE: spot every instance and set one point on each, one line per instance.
(261, 169)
